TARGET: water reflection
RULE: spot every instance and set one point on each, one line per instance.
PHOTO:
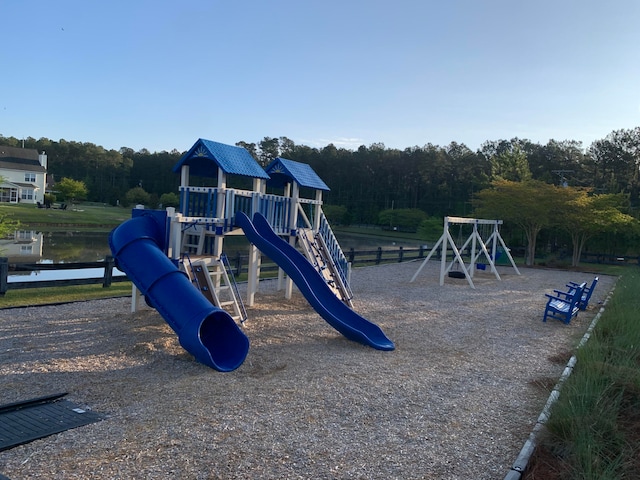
(30, 246)
(67, 247)
(25, 246)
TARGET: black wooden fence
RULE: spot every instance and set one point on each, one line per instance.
(240, 265)
(106, 279)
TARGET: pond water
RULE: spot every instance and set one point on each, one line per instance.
(74, 246)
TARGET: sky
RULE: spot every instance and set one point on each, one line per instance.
(159, 74)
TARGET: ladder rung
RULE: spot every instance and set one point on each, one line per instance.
(203, 274)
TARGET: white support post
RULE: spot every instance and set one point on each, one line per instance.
(175, 239)
(253, 275)
(293, 223)
(457, 258)
(424, 262)
(218, 240)
(318, 209)
(474, 256)
(506, 250)
(184, 176)
(135, 298)
(259, 188)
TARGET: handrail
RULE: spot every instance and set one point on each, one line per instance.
(335, 251)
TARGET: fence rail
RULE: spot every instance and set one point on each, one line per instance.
(240, 265)
(106, 279)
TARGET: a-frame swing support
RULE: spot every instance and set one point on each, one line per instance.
(478, 248)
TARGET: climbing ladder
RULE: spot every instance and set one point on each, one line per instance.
(316, 251)
(214, 278)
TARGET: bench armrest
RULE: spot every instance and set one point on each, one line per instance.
(557, 297)
(568, 294)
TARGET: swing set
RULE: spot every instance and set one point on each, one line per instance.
(479, 246)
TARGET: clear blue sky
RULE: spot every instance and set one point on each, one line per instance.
(160, 74)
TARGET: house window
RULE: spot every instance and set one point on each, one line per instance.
(9, 195)
(29, 177)
(26, 194)
(26, 249)
(25, 235)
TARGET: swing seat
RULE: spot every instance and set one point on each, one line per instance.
(456, 274)
(483, 266)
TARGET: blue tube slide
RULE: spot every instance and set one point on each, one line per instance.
(205, 331)
(312, 285)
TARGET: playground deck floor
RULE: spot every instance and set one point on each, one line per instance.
(457, 399)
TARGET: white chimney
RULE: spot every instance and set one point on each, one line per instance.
(42, 158)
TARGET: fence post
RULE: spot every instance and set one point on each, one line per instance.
(352, 255)
(4, 274)
(109, 262)
(379, 256)
(400, 254)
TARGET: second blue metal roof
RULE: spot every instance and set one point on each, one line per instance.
(302, 173)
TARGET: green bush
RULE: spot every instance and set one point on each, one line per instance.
(135, 196)
(431, 228)
(336, 214)
(169, 200)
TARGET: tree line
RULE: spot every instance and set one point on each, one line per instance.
(437, 180)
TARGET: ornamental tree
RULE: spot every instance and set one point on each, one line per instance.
(584, 216)
(532, 205)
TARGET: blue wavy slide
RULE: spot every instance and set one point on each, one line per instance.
(205, 331)
(311, 284)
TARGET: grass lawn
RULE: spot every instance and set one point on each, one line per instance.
(378, 232)
(45, 296)
(79, 216)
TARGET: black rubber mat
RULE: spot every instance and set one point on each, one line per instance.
(23, 422)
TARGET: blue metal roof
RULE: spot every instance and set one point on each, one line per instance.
(206, 156)
(302, 173)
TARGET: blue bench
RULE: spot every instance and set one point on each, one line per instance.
(563, 306)
(586, 294)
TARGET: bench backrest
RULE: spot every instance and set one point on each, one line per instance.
(588, 291)
(576, 298)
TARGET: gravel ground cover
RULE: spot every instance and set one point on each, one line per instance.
(457, 399)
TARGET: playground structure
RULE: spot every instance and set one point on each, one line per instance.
(479, 247)
(168, 253)
(207, 214)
